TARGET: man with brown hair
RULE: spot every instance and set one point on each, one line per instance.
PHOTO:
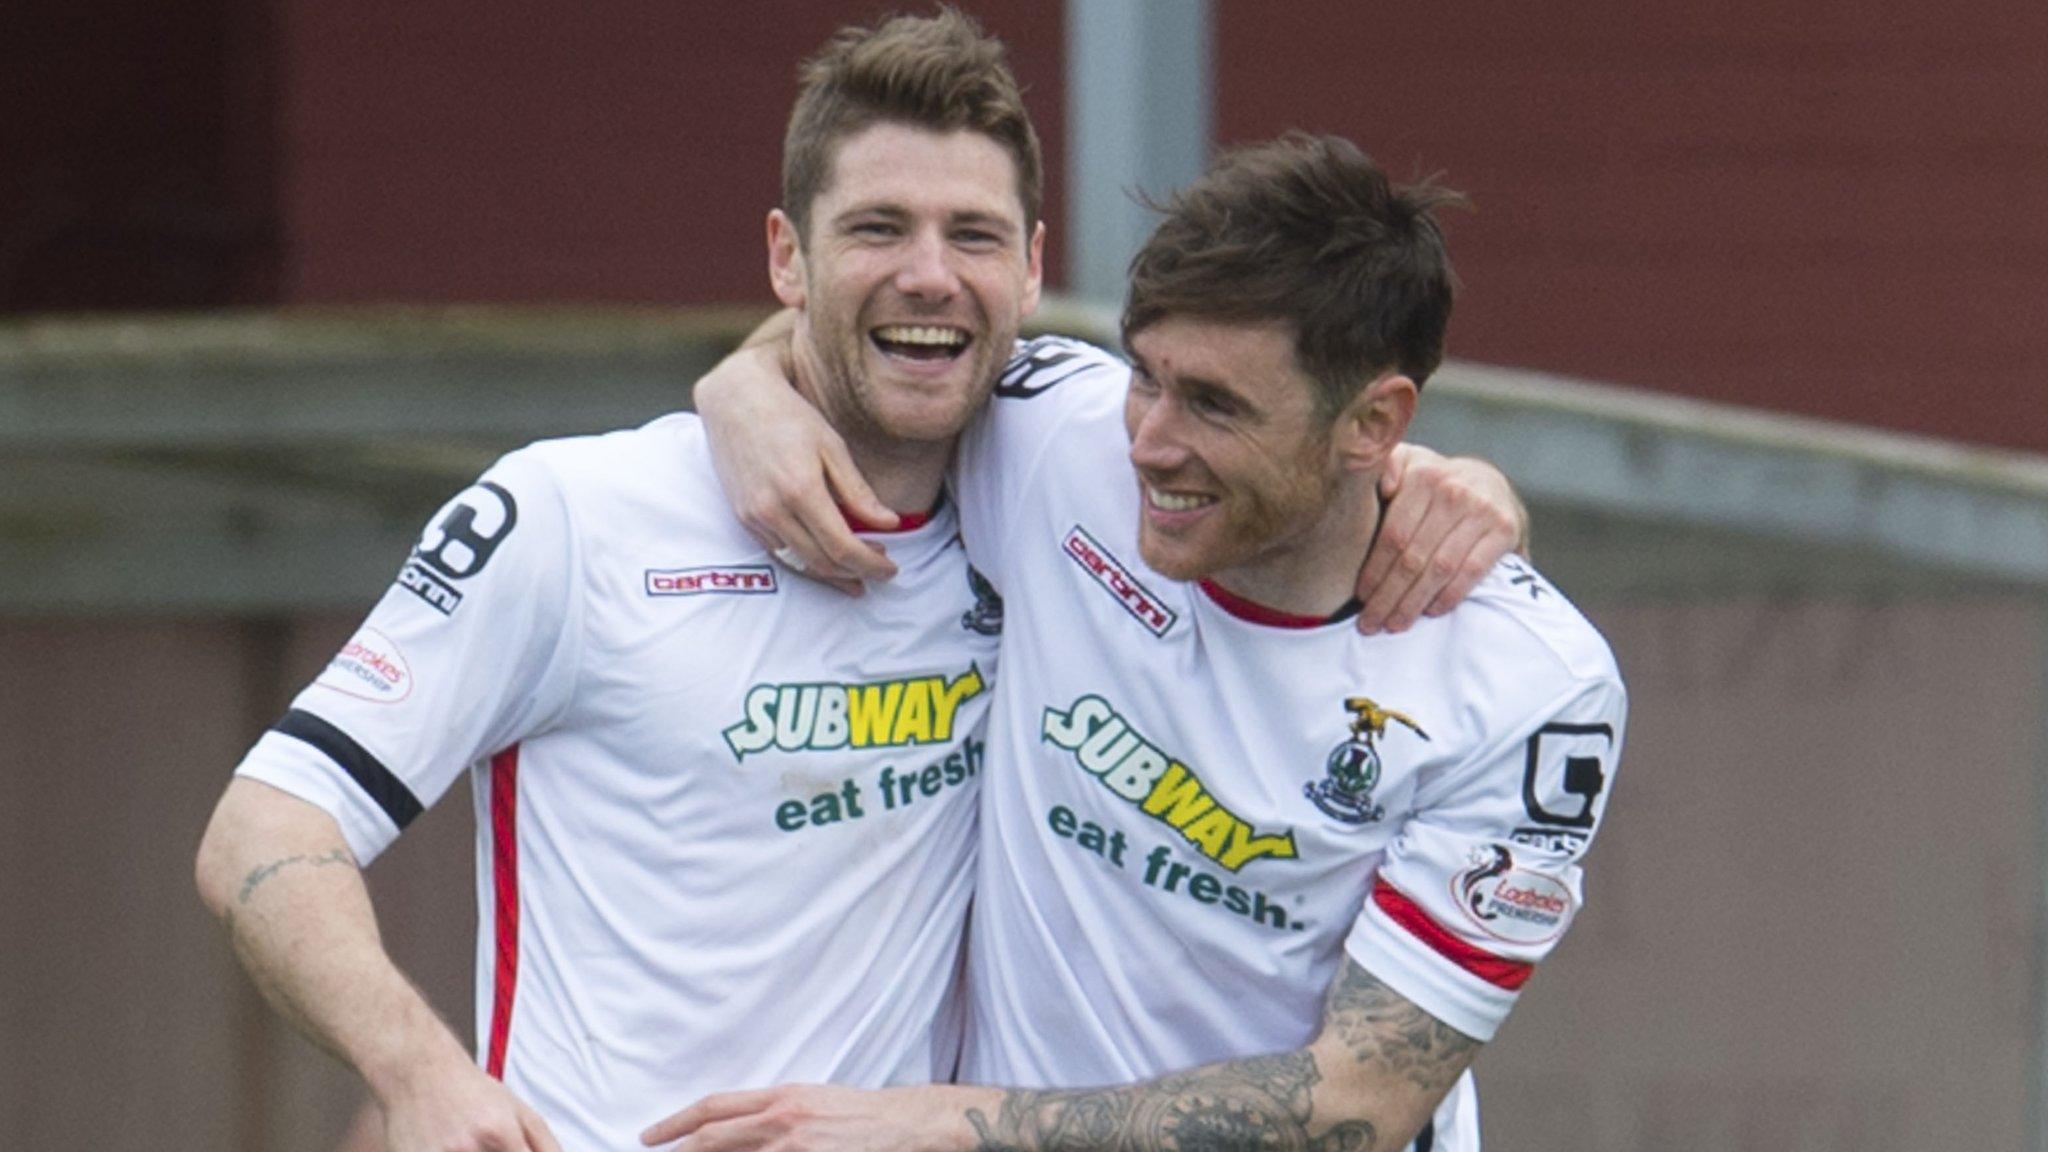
(1272, 881)
(725, 817)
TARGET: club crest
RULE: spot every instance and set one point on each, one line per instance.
(986, 617)
(1352, 769)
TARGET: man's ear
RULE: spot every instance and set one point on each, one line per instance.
(1374, 422)
(785, 259)
(1034, 255)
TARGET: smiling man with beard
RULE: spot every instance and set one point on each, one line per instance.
(1249, 879)
(911, 251)
(698, 868)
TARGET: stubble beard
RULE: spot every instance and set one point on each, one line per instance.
(1255, 530)
(913, 414)
(861, 410)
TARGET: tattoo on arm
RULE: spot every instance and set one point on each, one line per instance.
(1379, 1025)
(258, 875)
(1264, 1102)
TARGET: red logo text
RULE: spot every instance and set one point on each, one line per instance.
(744, 580)
(1095, 560)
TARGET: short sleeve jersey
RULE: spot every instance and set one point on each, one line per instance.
(1199, 810)
(726, 816)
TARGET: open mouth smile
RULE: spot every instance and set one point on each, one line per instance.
(927, 342)
(1175, 501)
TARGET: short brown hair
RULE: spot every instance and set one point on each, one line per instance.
(940, 72)
(1306, 230)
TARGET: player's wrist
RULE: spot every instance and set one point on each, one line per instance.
(719, 387)
(741, 386)
(961, 1117)
(937, 1117)
(405, 1063)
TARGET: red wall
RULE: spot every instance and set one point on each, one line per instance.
(1836, 208)
(135, 155)
(536, 152)
(1830, 207)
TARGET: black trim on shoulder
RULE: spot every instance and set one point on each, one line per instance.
(1040, 364)
(369, 773)
(1426, 1139)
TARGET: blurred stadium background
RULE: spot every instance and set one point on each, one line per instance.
(1754, 316)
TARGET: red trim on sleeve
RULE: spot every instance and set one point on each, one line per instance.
(1508, 974)
(505, 889)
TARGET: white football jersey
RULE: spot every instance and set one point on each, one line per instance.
(726, 816)
(1196, 809)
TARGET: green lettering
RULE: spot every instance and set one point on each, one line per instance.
(1068, 729)
(825, 808)
(757, 731)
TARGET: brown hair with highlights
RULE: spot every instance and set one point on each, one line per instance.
(1308, 231)
(940, 72)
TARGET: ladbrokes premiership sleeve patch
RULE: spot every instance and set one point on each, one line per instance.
(1457, 925)
(1484, 879)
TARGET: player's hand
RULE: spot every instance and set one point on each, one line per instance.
(458, 1108)
(817, 1118)
(1446, 523)
(787, 473)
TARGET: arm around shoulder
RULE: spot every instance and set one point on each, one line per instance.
(783, 468)
(1370, 1080)
(1446, 521)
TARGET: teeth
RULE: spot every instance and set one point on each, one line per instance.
(1172, 502)
(918, 334)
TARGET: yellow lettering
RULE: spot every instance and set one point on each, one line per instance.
(1246, 847)
(951, 697)
(1211, 833)
(1178, 798)
(1163, 788)
(872, 712)
(914, 718)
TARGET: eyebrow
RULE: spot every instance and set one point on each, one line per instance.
(1196, 385)
(1213, 389)
(973, 217)
(989, 220)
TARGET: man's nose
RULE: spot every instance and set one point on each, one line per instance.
(927, 270)
(1154, 445)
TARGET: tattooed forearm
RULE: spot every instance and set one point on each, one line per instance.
(1380, 1067)
(264, 872)
(1265, 1102)
(1380, 1026)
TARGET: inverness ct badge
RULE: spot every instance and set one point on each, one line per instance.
(1352, 770)
(986, 617)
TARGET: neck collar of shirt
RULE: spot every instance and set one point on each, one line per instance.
(906, 521)
(1257, 613)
